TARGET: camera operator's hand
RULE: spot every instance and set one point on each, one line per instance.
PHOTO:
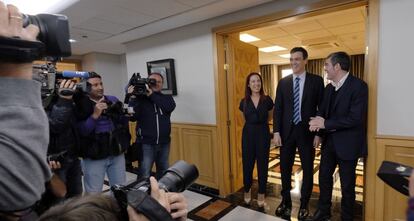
(130, 89)
(159, 194)
(149, 90)
(99, 108)
(11, 26)
(178, 206)
(54, 165)
(67, 85)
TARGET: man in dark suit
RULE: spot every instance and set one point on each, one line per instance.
(297, 99)
(342, 117)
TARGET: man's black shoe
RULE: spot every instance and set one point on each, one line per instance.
(303, 212)
(319, 216)
(284, 210)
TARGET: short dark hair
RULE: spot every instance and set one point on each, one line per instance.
(94, 75)
(300, 49)
(341, 58)
(156, 73)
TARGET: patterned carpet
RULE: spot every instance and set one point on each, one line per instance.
(275, 176)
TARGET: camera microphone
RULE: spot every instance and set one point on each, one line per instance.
(75, 74)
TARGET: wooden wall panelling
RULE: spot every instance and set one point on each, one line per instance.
(176, 145)
(390, 204)
(197, 144)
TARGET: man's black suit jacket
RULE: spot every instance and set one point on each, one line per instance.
(346, 123)
(283, 113)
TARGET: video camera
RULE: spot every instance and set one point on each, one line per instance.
(53, 40)
(114, 110)
(139, 84)
(58, 157)
(50, 79)
(177, 178)
(395, 175)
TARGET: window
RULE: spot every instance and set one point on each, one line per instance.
(286, 72)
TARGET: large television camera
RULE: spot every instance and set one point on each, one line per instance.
(177, 178)
(50, 79)
(53, 40)
(140, 84)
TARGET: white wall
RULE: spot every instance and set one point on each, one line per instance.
(112, 68)
(395, 74)
(192, 48)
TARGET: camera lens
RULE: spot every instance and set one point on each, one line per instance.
(178, 177)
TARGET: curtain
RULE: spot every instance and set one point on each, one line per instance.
(266, 72)
(357, 66)
(315, 66)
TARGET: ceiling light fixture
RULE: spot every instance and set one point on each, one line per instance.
(248, 38)
(41, 6)
(285, 55)
(272, 49)
(72, 40)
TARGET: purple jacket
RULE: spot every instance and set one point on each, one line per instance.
(100, 125)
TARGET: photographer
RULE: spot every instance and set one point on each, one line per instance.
(104, 139)
(152, 113)
(24, 128)
(105, 208)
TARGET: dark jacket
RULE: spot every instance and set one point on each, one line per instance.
(346, 118)
(153, 117)
(63, 130)
(283, 112)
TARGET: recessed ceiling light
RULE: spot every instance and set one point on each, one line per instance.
(72, 40)
(285, 55)
(248, 38)
(272, 49)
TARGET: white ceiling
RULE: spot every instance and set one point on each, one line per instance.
(104, 25)
(320, 35)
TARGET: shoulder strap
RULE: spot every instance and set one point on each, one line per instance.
(145, 204)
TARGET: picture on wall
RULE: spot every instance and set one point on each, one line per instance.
(166, 68)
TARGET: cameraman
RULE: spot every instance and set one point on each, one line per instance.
(152, 113)
(64, 138)
(104, 138)
(24, 132)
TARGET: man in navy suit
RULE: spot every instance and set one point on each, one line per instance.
(297, 99)
(342, 119)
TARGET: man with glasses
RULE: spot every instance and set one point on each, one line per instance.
(152, 113)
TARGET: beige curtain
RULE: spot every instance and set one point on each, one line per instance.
(266, 72)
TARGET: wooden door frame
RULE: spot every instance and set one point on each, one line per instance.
(281, 17)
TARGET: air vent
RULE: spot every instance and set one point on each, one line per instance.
(321, 43)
